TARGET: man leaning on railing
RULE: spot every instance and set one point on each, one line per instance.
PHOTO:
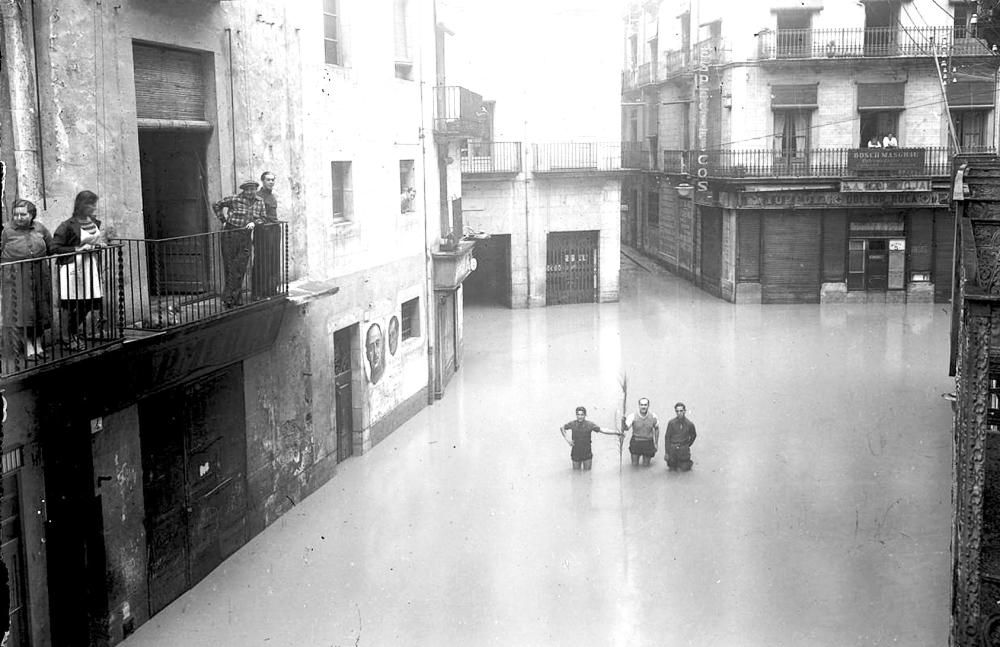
(243, 212)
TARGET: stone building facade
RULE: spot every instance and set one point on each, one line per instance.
(137, 464)
(755, 168)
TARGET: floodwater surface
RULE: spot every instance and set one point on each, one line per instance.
(817, 512)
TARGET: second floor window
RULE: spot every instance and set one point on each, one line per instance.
(791, 131)
(331, 33)
(970, 129)
(342, 191)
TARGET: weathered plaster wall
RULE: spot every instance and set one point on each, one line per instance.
(87, 92)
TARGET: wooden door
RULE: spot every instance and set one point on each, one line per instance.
(877, 266)
(194, 481)
(446, 334)
(175, 210)
(13, 557)
(343, 393)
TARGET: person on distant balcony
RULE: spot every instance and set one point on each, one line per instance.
(27, 292)
(264, 276)
(81, 294)
(873, 142)
(243, 212)
(889, 141)
(406, 199)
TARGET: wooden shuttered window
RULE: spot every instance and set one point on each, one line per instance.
(797, 97)
(971, 94)
(880, 96)
(169, 83)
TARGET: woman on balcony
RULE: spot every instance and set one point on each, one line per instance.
(80, 289)
(27, 292)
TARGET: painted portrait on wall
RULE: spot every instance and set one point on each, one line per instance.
(375, 353)
(393, 335)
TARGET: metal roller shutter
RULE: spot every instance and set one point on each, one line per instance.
(790, 258)
(920, 238)
(711, 245)
(944, 246)
(169, 83)
(834, 245)
(748, 235)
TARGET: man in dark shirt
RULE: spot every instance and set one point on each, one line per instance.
(243, 212)
(678, 438)
(266, 244)
(581, 429)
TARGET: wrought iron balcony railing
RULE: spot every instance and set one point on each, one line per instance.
(870, 42)
(176, 281)
(675, 161)
(825, 162)
(491, 157)
(577, 157)
(58, 307)
(674, 63)
(459, 112)
(647, 74)
(635, 155)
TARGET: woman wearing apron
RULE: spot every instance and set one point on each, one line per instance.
(80, 290)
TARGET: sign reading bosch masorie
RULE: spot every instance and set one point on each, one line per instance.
(885, 159)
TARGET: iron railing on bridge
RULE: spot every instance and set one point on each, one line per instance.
(491, 157)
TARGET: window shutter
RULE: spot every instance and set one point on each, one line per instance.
(880, 96)
(971, 94)
(794, 96)
(169, 83)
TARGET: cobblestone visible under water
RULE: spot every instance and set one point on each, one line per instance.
(817, 513)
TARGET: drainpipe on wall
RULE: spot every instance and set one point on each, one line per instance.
(19, 57)
(527, 220)
(428, 259)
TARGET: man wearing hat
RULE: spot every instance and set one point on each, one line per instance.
(239, 214)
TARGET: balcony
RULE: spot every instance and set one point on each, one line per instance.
(577, 157)
(828, 163)
(459, 113)
(709, 52)
(145, 287)
(674, 63)
(635, 155)
(646, 74)
(491, 158)
(675, 161)
(630, 79)
(865, 43)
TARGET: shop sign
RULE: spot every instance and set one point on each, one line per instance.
(833, 199)
(885, 159)
(884, 186)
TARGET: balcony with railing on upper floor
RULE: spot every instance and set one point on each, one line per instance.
(491, 158)
(860, 163)
(577, 157)
(873, 42)
(60, 308)
(459, 113)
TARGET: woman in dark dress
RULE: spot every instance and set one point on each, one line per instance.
(27, 291)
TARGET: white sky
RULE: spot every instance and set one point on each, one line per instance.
(553, 66)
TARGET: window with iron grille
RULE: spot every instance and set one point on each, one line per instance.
(331, 32)
(410, 320)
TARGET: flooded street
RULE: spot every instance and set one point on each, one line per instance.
(817, 512)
